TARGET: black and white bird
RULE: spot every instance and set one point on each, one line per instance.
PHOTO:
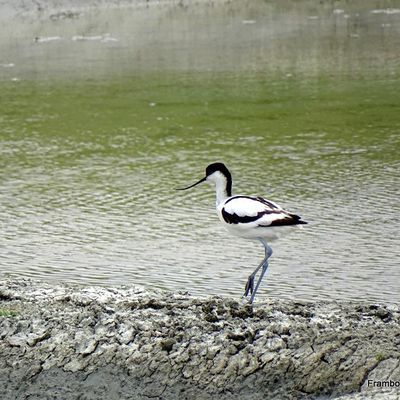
(248, 217)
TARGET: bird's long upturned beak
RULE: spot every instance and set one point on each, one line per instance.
(200, 181)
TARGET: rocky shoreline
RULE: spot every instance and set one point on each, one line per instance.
(74, 342)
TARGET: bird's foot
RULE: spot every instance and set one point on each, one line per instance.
(249, 286)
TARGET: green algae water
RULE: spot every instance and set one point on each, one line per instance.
(103, 113)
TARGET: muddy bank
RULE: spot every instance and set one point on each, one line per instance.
(94, 343)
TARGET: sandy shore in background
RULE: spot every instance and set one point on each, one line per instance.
(67, 8)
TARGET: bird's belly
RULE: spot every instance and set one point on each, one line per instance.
(253, 231)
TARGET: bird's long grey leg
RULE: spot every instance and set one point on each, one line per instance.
(264, 265)
(250, 281)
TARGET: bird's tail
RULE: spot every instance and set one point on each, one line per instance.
(297, 220)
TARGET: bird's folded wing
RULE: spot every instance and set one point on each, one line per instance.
(256, 210)
(249, 206)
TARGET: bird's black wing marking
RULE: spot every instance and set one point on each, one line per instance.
(237, 219)
(290, 219)
(268, 203)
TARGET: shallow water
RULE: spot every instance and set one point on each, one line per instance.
(103, 114)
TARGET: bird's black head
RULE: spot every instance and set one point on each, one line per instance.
(214, 167)
(213, 173)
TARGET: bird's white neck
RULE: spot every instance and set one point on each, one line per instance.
(221, 194)
(223, 186)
